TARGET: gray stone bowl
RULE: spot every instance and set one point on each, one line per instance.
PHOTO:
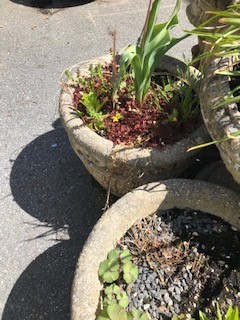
(224, 120)
(120, 168)
(141, 202)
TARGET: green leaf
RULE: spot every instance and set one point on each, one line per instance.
(233, 21)
(109, 301)
(227, 101)
(113, 288)
(130, 272)
(139, 314)
(123, 300)
(202, 316)
(108, 271)
(125, 256)
(232, 313)
(219, 315)
(103, 315)
(114, 255)
(116, 312)
(202, 145)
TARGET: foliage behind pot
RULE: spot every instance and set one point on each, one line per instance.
(218, 61)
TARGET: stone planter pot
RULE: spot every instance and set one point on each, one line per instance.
(121, 168)
(224, 120)
(139, 203)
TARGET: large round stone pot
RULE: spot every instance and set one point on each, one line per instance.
(221, 121)
(141, 202)
(122, 168)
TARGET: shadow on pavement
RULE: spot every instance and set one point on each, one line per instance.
(49, 182)
(43, 290)
(52, 4)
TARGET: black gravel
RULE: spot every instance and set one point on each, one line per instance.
(187, 261)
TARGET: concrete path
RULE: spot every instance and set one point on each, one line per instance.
(48, 202)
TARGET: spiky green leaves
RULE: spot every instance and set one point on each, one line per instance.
(144, 57)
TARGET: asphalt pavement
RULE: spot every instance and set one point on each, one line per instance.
(48, 201)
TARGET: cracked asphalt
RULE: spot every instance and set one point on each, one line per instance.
(48, 201)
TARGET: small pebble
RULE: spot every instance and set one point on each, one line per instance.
(170, 302)
(166, 297)
(142, 287)
(177, 297)
(176, 308)
(177, 290)
(146, 306)
(171, 289)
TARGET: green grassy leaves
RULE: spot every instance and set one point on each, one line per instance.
(143, 58)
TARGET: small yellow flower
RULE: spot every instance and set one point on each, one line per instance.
(117, 117)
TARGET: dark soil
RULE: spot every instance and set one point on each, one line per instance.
(191, 258)
(127, 121)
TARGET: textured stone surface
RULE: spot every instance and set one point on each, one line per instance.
(217, 173)
(221, 121)
(123, 168)
(196, 11)
(139, 203)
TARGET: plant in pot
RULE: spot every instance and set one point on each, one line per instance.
(130, 118)
(219, 90)
(186, 259)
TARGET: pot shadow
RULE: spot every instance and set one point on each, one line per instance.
(50, 183)
(52, 4)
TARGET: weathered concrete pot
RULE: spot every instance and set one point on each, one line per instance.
(141, 202)
(121, 168)
(197, 9)
(224, 120)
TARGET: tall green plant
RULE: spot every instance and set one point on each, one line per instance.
(221, 33)
(152, 45)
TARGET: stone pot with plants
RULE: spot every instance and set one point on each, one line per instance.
(220, 86)
(165, 249)
(131, 117)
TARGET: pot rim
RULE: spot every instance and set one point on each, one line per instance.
(135, 205)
